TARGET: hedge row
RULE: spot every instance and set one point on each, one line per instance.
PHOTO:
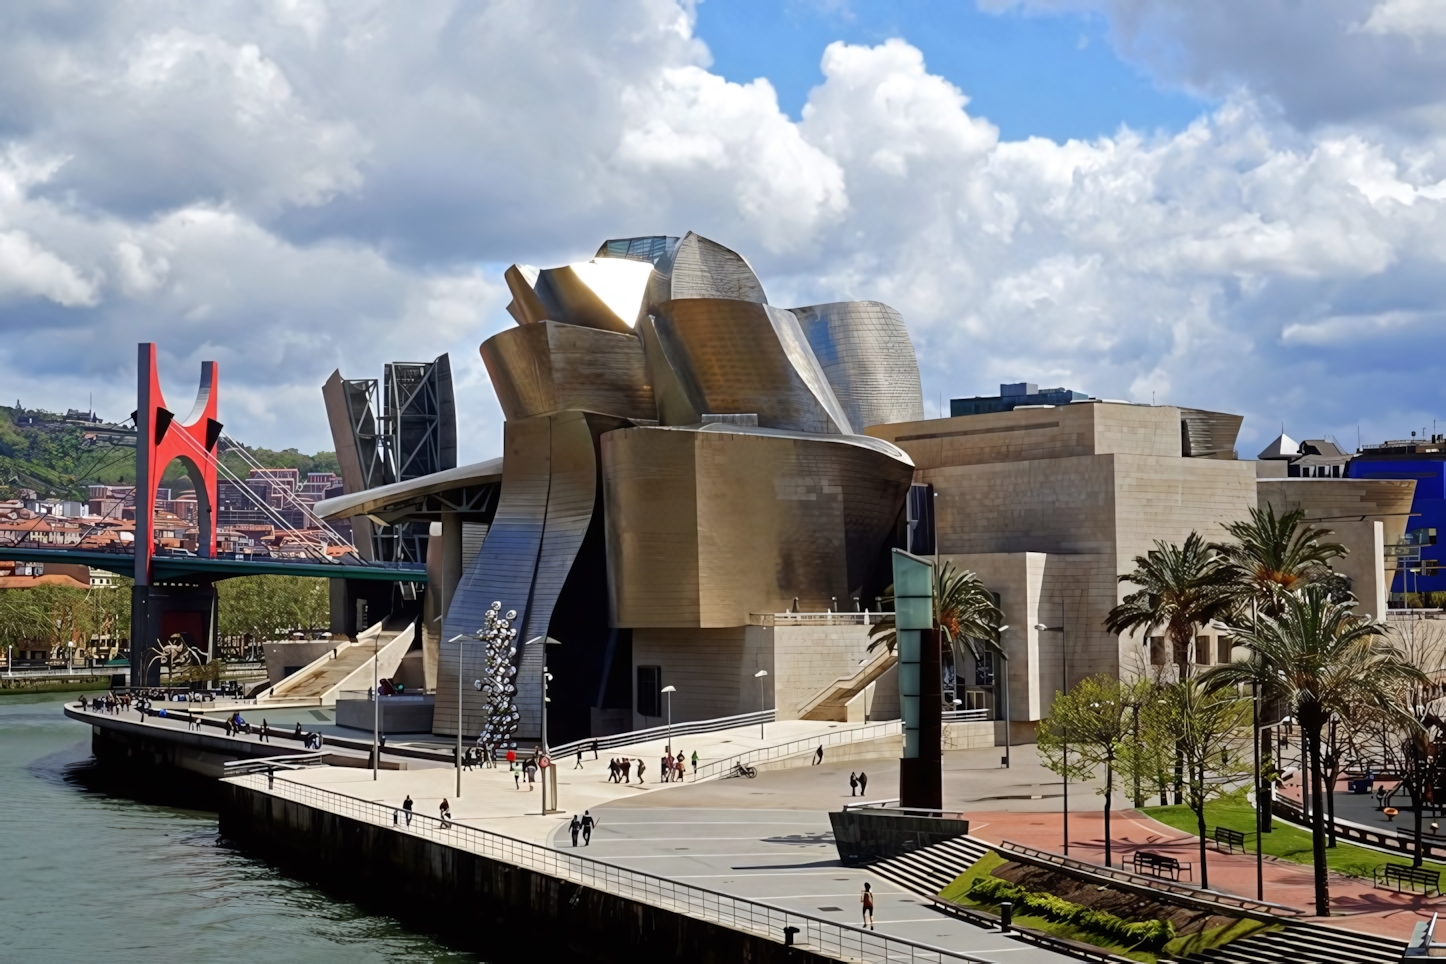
(1150, 935)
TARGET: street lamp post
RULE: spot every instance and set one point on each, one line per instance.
(669, 691)
(1004, 659)
(458, 760)
(759, 676)
(1064, 687)
(376, 706)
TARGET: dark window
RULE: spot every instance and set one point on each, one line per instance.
(650, 686)
(984, 670)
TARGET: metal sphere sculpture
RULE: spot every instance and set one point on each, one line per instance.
(497, 683)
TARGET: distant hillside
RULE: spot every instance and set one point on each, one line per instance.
(59, 458)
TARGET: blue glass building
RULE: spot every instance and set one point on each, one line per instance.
(1423, 461)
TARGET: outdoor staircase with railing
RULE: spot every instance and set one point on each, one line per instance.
(928, 870)
(323, 679)
(831, 703)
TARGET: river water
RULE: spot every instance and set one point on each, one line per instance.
(89, 876)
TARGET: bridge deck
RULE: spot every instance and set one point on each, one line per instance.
(181, 567)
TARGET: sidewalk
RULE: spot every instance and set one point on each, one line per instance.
(1356, 905)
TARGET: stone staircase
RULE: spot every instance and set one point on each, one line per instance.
(831, 702)
(928, 870)
(319, 680)
(1302, 943)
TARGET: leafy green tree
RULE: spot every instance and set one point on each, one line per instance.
(1210, 730)
(1181, 589)
(1094, 723)
(1272, 556)
(1319, 658)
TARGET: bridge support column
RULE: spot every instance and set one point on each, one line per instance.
(159, 612)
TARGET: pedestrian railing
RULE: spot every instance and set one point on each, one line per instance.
(1139, 883)
(1394, 839)
(855, 734)
(815, 619)
(293, 761)
(825, 937)
(968, 716)
(692, 728)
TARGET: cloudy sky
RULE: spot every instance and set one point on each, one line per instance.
(1237, 205)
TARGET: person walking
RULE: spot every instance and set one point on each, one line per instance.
(407, 809)
(666, 765)
(627, 769)
(297, 734)
(694, 759)
(531, 769)
(516, 774)
(594, 749)
(640, 771)
(587, 824)
(863, 783)
(575, 828)
(867, 900)
(682, 767)
(578, 765)
(445, 810)
(818, 757)
(265, 730)
(853, 784)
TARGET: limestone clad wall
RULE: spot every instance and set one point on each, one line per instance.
(711, 668)
(809, 658)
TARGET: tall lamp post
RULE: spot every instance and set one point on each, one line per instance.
(1063, 688)
(376, 706)
(669, 691)
(458, 761)
(759, 676)
(1004, 669)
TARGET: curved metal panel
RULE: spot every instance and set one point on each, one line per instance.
(748, 357)
(705, 269)
(550, 367)
(865, 351)
(707, 526)
(503, 569)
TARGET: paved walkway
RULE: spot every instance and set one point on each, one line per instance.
(1356, 905)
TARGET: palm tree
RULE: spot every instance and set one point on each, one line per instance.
(966, 615)
(964, 611)
(1318, 657)
(1275, 555)
(1181, 589)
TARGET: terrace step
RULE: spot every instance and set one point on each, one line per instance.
(1302, 943)
(928, 870)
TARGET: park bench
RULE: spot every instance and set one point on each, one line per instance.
(1161, 865)
(1400, 875)
(1229, 840)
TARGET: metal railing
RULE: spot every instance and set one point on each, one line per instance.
(1195, 895)
(968, 716)
(737, 913)
(1386, 840)
(692, 728)
(295, 761)
(815, 619)
(870, 731)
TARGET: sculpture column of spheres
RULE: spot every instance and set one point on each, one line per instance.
(499, 635)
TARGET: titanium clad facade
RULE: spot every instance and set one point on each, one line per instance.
(749, 358)
(539, 369)
(866, 354)
(705, 526)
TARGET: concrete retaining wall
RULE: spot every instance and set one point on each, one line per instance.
(505, 911)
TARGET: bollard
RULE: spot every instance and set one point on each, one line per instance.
(788, 933)
(1006, 915)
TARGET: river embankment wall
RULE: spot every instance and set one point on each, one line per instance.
(475, 901)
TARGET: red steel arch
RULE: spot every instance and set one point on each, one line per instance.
(161, 437)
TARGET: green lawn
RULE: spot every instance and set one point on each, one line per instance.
(1179, 947)
(1285, 841)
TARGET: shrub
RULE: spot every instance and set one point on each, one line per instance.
(1150, 935)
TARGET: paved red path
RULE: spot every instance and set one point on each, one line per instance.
(1355, 904)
